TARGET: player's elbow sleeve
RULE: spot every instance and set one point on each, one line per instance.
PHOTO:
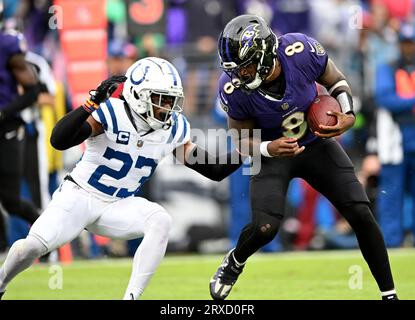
(212, 167)
(57, 140)
(62, 138)
(56, 143)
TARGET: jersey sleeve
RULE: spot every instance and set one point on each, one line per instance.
(180, 131)
(318, 58)
(228, 96)
(313, 58)
(185, 135)
(106, 116)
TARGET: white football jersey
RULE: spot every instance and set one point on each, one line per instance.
(116, 163)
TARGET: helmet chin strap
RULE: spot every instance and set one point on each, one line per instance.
(145, 120)
(255, 83)
(150, 121)
(155, 124)
(140, 118)
(258, 79)
(272, 70)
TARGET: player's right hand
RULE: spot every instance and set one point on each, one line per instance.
(102, 93)
(284, 147)
(106, 89)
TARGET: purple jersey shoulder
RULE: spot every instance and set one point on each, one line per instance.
(305, 52)
(232, 99)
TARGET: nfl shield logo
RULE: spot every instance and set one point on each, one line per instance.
(285, 106)
(140, 143)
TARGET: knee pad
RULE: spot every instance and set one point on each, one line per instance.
(161, 221)
(29, 248)
(265, 226)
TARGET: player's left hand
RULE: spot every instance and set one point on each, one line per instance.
(344, 122)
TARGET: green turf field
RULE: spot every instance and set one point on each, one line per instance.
(297, 275)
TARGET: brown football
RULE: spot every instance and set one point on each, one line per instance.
(317, 112)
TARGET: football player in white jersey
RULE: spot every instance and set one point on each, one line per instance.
(125, 139)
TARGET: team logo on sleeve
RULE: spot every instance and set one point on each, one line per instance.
(247, 40)
(319, 49)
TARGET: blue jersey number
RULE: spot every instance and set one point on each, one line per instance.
(141, 163)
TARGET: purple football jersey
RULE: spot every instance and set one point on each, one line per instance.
(11, 43)
(303, 61)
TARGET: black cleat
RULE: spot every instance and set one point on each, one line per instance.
(392, 296)
(1, 294)
(225, 277)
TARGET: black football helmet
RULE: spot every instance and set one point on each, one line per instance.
(247, 39)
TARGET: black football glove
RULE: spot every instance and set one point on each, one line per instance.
(106, 89)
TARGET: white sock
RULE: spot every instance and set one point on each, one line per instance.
(20, 257)
(238, 264)
(149, 254)
(388, 293)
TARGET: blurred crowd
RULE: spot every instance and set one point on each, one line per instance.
(372, 41)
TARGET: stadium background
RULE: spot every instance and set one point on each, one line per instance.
(85, 41)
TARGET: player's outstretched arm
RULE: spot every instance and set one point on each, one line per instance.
(245, 139)
(214, 168)
(78, 125)
(335, 82)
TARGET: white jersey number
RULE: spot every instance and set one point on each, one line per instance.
(295, 126)
(296, 47)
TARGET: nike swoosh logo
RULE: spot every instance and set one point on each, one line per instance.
(311, 46)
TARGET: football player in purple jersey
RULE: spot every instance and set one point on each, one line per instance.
(14, 71)
(268, 83)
